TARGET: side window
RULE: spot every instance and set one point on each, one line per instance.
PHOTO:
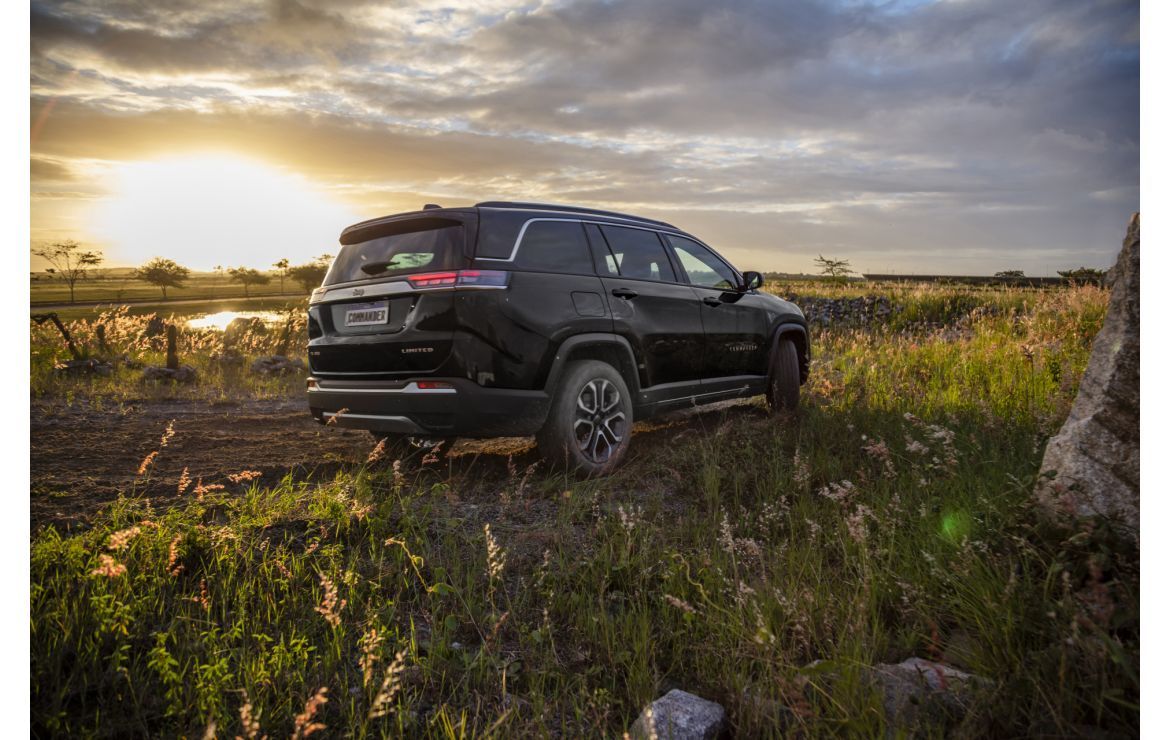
(702, 268)
(638, 254)
(554, 246)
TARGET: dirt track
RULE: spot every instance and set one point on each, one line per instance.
(81, 457)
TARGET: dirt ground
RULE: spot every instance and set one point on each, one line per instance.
(83, 456)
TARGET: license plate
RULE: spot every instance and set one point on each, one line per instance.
(367, 314)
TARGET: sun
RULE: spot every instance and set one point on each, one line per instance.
(216, 209)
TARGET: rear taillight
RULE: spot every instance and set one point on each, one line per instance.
(468, 278)
(433, 279)
(432, 385)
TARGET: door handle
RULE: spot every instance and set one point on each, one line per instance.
(712, 301)
(624, 293)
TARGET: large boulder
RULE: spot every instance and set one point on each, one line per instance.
(1091, 466)
(923, 697)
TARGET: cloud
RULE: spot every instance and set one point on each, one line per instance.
(906, 129)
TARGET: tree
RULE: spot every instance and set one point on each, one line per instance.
(281, 266)
(69, 261)
(835, 269)
(312, 274)
(1083, 275)
(1010, 274)
(248, 276)
(164, 273)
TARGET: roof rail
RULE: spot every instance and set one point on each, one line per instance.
(569, 209)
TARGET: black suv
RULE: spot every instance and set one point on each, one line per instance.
(509, 319)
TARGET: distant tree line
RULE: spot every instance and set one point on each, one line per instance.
(72, 263)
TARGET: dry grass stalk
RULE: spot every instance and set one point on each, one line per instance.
(146, 463)
(303, 725)
(330, 605)
(121, 540)
(378, 452)
(174, 567)
(390, 686)
(184, 481)
(250, 720)
(371, 641)
(109, 567)
(496, 557)
(244, 476)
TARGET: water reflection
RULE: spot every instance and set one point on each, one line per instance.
(223, 318)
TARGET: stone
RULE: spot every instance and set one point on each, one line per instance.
(919, 694)
(184, 374)
(1091, 466)
(277, 365)
(679, 716)
(83, 367)
(229, 358)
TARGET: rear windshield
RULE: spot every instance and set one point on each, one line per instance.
(398, 254)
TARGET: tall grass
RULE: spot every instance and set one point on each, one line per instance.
(756, 561)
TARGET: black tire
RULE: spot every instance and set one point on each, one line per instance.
(784, 377)
(590, 420)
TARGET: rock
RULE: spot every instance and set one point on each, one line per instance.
(679, 716)
(229, 358)
(920, 695)
(277, 365)
(185, 373)
(240, 326)
(1093, 459)
(83, 367)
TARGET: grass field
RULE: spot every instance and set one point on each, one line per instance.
(891, 518)
(120, 287)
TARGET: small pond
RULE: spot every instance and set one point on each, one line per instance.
(223, 318)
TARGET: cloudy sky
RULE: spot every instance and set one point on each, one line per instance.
(948, 136)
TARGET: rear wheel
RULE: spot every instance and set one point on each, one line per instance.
(589, 422)
(784, 377)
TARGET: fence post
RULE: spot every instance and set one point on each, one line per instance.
(172, 356)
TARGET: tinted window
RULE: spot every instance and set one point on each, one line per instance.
(702, 267)
(397, 254)
(554, 246)
(638, 254)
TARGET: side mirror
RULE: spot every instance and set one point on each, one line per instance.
(752, 280)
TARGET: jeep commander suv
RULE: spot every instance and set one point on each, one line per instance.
(510, 319)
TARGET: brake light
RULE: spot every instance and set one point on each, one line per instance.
(477, 278)
(433, 279)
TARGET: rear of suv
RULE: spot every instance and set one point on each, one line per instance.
(516, 319)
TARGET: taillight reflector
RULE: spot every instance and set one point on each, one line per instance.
(491, 278)
(432, 385)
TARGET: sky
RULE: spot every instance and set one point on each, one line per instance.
(908, 136)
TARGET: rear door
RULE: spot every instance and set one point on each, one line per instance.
(651, 306)
(736, 327)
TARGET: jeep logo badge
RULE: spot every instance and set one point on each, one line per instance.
(359, 291)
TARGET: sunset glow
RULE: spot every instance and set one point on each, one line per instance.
(903, 135)
(216, 209)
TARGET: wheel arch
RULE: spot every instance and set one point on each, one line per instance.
(612, 349)
(798, 333)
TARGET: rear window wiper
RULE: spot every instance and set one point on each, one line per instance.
(374, 268)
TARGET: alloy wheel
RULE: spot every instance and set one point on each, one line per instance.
(599, 423)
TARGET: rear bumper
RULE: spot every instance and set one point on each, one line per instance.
(463, 409)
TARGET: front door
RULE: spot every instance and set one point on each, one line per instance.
(736, 327)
